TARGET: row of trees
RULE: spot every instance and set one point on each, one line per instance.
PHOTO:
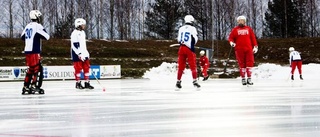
(160, 19)
(111, 19)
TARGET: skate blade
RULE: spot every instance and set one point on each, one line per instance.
(197, 88)
(87, 90)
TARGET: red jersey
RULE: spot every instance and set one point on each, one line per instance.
(244, 38)
(204, 61)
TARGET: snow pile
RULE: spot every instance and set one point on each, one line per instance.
(164, 71)
(168, 71)
(271, 71)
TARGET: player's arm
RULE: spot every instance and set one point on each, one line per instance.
(75, 44)
(290, 58)
(231, 38)
(207, 61)
(200, 62)
(194, 38)
(195, 35)
(82, 41)
(43, 33)
(253, 38)
(23, 35)
(253, 41)
(80, 46)
(179, 36)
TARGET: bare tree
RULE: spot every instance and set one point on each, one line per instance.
(313, 14)
(100, 18)
(35, 4)
(10, 6)
(51, 12)
(125, 19)
(8, 20)
(112, 5)
(119, 4)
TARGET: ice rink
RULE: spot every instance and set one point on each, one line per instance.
(153, 108)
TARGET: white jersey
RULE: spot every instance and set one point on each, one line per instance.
(188, 36)
(78, 45)
(32, 35)
(294, 56)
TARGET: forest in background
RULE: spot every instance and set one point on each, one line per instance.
(138, 56)
(159, 19)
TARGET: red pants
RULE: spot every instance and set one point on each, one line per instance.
(245, 60)
(204, 71)
(296, 64)
(80, 65)
(184, 55)
(33, 63)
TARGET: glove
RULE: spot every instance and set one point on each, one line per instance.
(232, 44)
(81, 57)
(255, 49)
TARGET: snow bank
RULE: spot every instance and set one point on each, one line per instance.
(168, 71)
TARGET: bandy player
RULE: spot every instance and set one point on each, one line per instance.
(32, 35)
(79, 53)
(243, 39)
(187, 38)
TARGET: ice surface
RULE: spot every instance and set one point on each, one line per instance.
(272, 107)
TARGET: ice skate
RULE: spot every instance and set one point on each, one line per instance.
(195, 84)
(301, 77)
(292, 78)
(78, 85)
(88, 86)
(178, 84)
(39, 90)
(35, 89)
(26, 90)
(205, 78)
(249, 82)
(244, 81)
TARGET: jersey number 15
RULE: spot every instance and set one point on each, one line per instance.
(185, 37)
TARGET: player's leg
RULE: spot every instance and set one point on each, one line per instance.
(37, 74)
(39, 79)
(249, 66)
(181, 65)
(299, 65)
(205, 73)
(242, 67)
(40, 76)
(30, 62)
(27, 81)
(293, 68)
(77, 65)
(193, 67)
(86, 71)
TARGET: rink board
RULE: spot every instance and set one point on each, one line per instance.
(60, 72)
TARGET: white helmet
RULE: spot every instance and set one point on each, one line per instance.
(242, 18)
(35, 14)
(202, 52)
(188, 19)
(78, 22)
(291, 49)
